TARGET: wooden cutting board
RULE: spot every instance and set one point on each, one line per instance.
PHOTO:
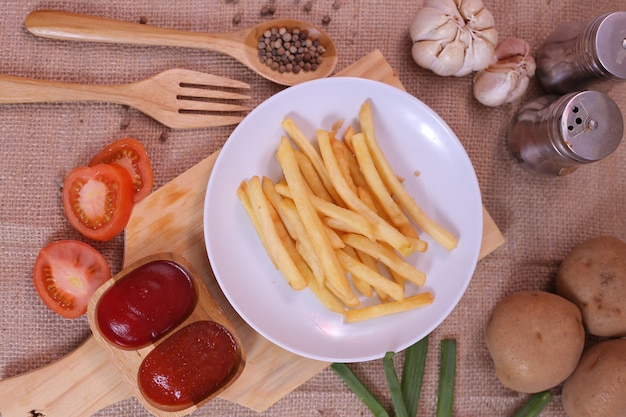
(170, 220)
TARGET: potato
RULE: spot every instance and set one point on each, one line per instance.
(535, 340)
(597, 388)
(593, 276)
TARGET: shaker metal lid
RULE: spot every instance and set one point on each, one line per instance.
(591, 126)
(610, 44)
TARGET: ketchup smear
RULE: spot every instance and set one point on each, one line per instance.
(145, 304)
(189, 366)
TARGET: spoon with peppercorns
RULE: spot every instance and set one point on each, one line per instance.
(284, 51)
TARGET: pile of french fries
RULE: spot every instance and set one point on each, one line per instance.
(341, 223)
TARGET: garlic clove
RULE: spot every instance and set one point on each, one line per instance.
(445, 7)
(429, 24)
(512, 47)
(507, 78)
(482, 54)
(487, 35)
(495, 88)
(441, 58)
(451, 60)
(476, 15)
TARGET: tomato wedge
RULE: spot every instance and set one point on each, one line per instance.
(132, 155)
(98, 200)
(67, 273)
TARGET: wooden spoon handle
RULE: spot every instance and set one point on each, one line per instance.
(77, 385)
(77, 27)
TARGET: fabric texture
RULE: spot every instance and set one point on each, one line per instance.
(541, 218)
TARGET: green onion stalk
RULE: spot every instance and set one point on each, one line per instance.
(361, 391)
(447, 374)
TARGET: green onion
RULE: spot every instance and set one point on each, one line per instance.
(535, 405)
(394, 385)
(413, 375)
(361, 391)
(447, 373)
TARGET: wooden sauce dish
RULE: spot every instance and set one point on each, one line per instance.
(128, 360)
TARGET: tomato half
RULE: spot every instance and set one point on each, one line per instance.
(132, 155)
(67, 273)
(98, 200)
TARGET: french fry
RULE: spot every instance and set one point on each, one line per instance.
(387, 256)
(431, 227)
(407, 230)
(384, 231)
(283, 189)
(303, 143)
(347, 136)
(313, 224)
(354, 220)
(361, 286)
(372, 277)
(335, 240)
(277, 250)
(275, 198)
(330, 301)
(348, 165)
(304, 245)
(311, 176)
(343, 165)
(242, 193)
(390, 307)
(376, 266)
(339, 225)
(375, 182)
(366, 197)
(336, 126)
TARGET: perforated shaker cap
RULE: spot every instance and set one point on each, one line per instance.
(591, 126)
(610, 44)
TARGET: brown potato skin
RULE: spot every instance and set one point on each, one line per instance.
(593, 276)
(597, 387)
(535, 340)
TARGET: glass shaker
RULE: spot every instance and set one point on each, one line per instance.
(555, 135)
(584, 56)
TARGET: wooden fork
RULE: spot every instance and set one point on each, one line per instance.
(177, 98)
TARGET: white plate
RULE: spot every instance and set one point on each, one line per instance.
(414, 138)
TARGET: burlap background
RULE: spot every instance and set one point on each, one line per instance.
(540, 218)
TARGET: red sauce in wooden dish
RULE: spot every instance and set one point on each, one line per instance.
(189, 366)
(145, 304)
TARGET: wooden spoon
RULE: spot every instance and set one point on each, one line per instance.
(241, 45)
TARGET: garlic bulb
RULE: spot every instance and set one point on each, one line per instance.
(453, 37)
(507, 78)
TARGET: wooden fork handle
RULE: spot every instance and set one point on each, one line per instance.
(77, 385)
(78, 27)
(28, 90)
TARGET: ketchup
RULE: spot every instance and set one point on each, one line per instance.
(145, 304)
(189, 366)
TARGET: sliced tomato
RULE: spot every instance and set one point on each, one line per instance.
(67, 273)
(98, 200)
(132, 155)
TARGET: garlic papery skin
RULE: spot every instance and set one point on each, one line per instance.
(506, 79)
(453, 37)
